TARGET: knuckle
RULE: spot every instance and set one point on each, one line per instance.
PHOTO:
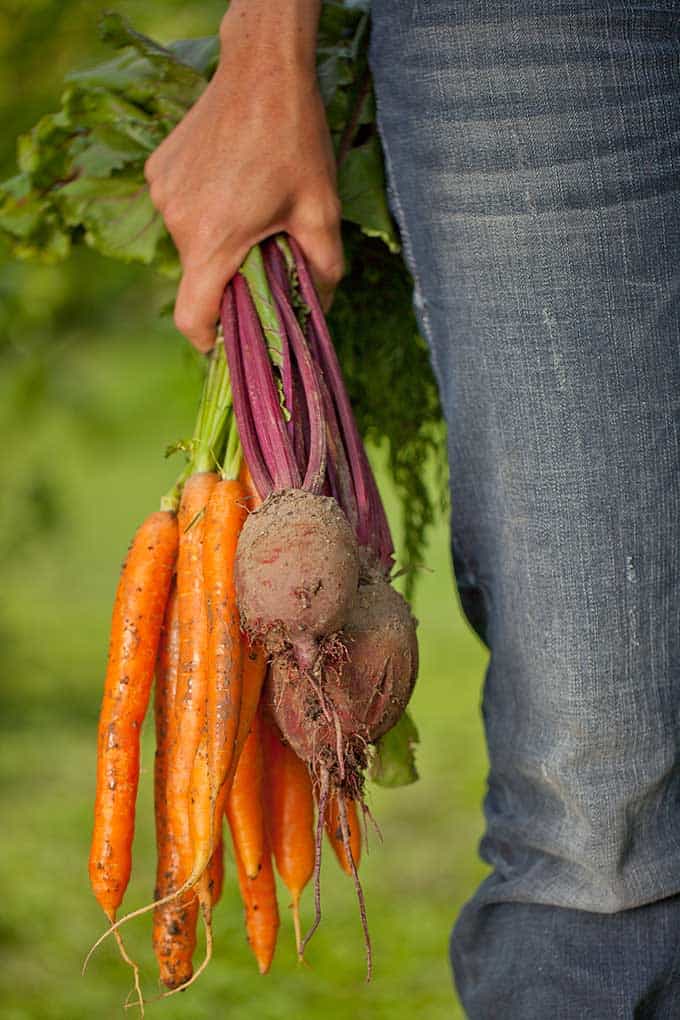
(153, 172)
(334, 210)
(185, 320)
(321, 216)
(156, 194)
(173, 214)
(150, 168)
(335, 271)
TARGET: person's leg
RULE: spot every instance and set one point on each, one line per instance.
(534, 162)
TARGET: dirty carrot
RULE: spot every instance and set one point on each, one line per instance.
(190, 700)
(135, 633)
(289, 810)
(224, 518)
(174, 931)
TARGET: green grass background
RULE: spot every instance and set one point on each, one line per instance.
(55, 602)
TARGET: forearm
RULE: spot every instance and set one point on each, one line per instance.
(285, 28)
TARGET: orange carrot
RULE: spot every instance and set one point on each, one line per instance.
(174, 931)
(261, 908)
(244, 803)
(289, 809)
(216, 870)
(224, 519)
(254, 672)
(334, 832)
(135, 633)
(253, 498)
(190, 708)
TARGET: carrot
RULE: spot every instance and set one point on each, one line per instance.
(334, 832)
(190, 713)
(289, 804)
(174, 931)
(253, 497)
(135, 633)
(261, 908)
(254, 672)
(244, 803)
(224, 518)
(216, 870)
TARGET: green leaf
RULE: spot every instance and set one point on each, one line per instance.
(100, 160)
(115, 121)
(394, 762)
(201, 54)
(127, 74)
(361, 184)
(340, 58)
(117, 31)
(116, 215)
(35, 230)
(43, 152)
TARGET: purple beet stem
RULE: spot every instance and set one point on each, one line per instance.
(316, 467)
(259, 472)
(289, 394)
(298, 426)
(302, 437)
(373, 528)
(264, 398)
(338, 476)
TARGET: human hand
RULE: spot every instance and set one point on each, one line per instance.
(251, 158)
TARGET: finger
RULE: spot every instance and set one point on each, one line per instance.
(197, 308)
(321, 243)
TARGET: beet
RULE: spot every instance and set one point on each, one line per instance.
(382, 663)
(296, 572)
(318, 722)
(367, 679)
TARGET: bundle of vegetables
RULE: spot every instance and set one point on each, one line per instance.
(260, 593)
(81, 180)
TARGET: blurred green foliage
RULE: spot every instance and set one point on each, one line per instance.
(40, 41)
(47, 312)
(93, 386)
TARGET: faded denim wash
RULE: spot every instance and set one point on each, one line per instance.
(533, 152)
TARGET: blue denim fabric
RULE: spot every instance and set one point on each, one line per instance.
(533, 152)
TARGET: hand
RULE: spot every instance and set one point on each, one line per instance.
(251, 158)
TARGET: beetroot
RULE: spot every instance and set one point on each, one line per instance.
(296, 572)
(318, 721)
(382, 664)
(365, 686)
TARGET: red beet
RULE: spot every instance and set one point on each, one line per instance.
(318, 722)
(382, 663)
(296, 572)
(367, 680)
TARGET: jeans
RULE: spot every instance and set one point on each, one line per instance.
(533, 153)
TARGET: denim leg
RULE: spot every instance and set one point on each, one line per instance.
(534, 161)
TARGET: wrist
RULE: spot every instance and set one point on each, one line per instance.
(284, 31)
